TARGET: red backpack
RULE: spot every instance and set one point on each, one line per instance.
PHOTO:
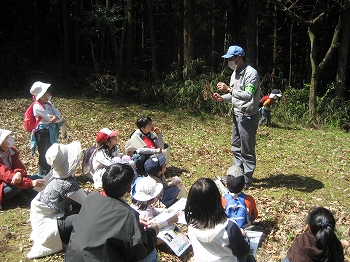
(263, 99)
(149, 142)
(29, 121)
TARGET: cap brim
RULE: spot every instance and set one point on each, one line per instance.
(227, 56)
(279, 95)
(114, 133)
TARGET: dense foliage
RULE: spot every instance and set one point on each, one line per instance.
(138, 49)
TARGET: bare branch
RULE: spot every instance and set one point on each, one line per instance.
(333, 45)
(289, 12)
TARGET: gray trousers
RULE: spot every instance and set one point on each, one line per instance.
(243, 144)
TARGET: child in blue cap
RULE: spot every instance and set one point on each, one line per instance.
(155, 167)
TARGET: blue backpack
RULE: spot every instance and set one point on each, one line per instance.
(237, 209)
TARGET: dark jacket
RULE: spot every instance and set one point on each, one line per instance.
(108, 229)
(304, 249)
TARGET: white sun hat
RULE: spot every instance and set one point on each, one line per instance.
(3, 134)
(64, 159)
(38, 89)
(147, 188)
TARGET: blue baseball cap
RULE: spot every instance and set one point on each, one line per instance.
(154, 164)
(234, 50)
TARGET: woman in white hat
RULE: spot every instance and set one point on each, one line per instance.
(13, 174)
(51, 214)
(49, 122)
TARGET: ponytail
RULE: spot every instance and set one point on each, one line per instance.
(322, 226)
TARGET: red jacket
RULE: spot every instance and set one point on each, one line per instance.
(7, 173)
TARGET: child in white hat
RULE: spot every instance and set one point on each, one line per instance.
(51, 213)
(147, 191)
(13, 174)
(49, 122)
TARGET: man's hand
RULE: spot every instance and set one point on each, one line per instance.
(216, 97)
(222, 87)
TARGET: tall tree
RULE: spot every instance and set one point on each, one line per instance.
(189, 37)
(316, 68)
(130, 37)
(65, 35)
(252, 30)
(153, 39)
(343, 57)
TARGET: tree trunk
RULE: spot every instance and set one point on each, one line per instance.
(314, 73)
(188, 30)
(153, 40)
(316, 69)
(180, 37)
(76, 29)
(122, 38)
(274, 54)
(340, 79)
(251, 47)
(65, 36)
(130, 37)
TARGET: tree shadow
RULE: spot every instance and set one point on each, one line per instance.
(293, 181)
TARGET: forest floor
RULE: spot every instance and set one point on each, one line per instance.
(297, 168)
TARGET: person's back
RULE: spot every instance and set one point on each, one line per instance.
(235, 183)
(319, 242)
(213, 236)
(107, 228)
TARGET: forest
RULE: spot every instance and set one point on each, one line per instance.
(145, 48)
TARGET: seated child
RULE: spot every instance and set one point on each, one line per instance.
(319, 241)
(172, 191)
(13, 174)
(51, 214)
(213, 236)
(106, 154)
(235, 183)
(147, 191)
(146, 194)
(107, 228)
(153, 140)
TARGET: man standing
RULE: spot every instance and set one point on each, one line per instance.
(244, 94)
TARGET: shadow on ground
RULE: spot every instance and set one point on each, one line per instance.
(21, 200)
(293, 181)
(174, 171)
